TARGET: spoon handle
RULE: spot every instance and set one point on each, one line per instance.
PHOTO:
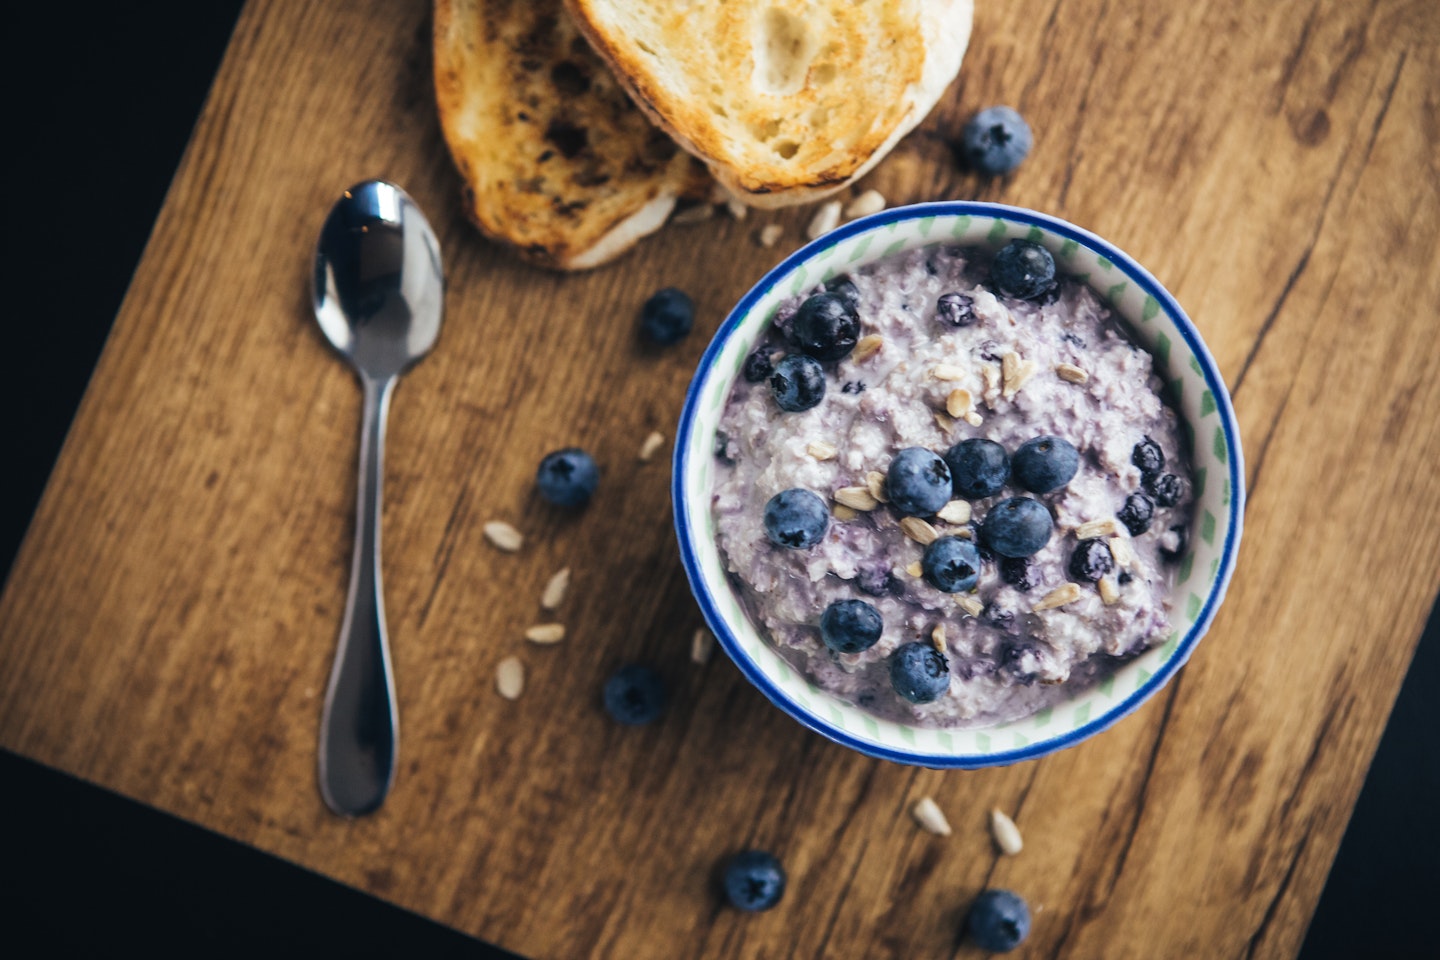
(360, 725)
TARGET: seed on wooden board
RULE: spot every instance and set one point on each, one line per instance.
(555, 589)
(826, 218)
(1006, 834)
(702, 645)
(928, 814)
(769, 234)
(651, 446)
(695, 214)
(510, 678)
(736, 209)
(545, 633)
(502, 536)
(871, 201)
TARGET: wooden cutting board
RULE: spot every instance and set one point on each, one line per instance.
(169, 624)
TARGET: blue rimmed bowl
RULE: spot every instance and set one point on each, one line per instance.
(1181, 358)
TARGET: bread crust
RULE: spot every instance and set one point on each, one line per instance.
(904, 55)
(555, 159)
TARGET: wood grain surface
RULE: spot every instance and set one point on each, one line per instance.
(169, 624)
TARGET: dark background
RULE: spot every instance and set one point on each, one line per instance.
(99, 114)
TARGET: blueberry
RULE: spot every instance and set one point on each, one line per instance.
(1023, 270)
(1016, 572)
(757, 366)
(1166, 488)
(796, 519)
(955, 310)
(850, 626)
(635, 695)
(1136, 513)
(978, 468)
(567, 478)
(1018, 527)
(1091, 560)
(951, 564)
(918, 481)
(825, 327)
(844, 288)
(798, 383)
(754, 881)
(1148, 456)
(1044, 464)
(667, 316)
(995, 140)
(919, 672)
(1174, 542)
(853, 387)
(999, 921)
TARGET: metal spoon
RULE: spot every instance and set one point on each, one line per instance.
(378, 293)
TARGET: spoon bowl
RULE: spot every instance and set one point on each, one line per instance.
(378, 295)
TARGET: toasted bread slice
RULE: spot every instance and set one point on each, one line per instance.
(555, 157)
(785, 100)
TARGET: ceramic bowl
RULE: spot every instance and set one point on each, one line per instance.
(1207, 424)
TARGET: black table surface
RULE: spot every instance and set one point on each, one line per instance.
(100, 115)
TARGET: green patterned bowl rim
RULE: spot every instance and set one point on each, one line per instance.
(1208, 427)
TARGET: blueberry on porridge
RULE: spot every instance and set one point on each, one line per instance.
(948, 491)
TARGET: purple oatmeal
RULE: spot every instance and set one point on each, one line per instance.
(939, 358)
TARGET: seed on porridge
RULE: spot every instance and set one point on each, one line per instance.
(915, 569)
(937, 637)
(1070, 372)
(843, 513)
(973, 418)
(944, 421)
(970, 605)
(1109, 592)
(1014, 374)
(821, 450)
(956, 511)
(856, 498)
(947, 371)
(1120, 550)
(918, 530)
(875, 483)
(866, 347)
(1061, 595)
(1097, 528)
(958, 403)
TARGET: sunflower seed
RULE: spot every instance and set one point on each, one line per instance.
(546, 633)
(919, 531)
(502, 536)
(970, 605)
(857, 498)
(1109, 527)
(1006, 834)
(959, 402)
(821, 450)
(1109, 593)
(842, 513)
(1070, 372)
(867, 347)
(974, 419)
(651, 446)
(937, 637)
(770, 234)
(944, 421)
(1061, 595)
(555, 589)
(947, 371)
(956, 512)
(826, 218)
(927, 813)
(1014, 373)
(875, 483)
(914, 569)
(510, 678)
(702, 645)
(1120, 550)
(871, 201)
